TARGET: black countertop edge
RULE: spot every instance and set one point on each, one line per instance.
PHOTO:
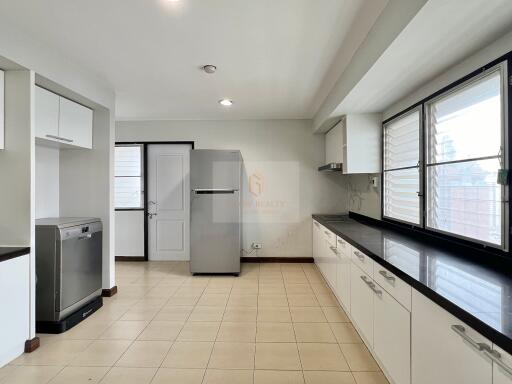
(8, 253)
(496, 337)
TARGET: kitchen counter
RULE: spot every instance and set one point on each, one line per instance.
(477, 294)
(7, 253)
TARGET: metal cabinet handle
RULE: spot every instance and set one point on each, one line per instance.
(359, 255)
(461, 331)
(59, 138)
(85, 237)
(495, 356)
(371, 285)
(327, 233)
(342, 243)
(317, 225)
(389, 278)
(334, 249)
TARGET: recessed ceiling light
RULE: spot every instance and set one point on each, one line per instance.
(209, 68)
(173, 1)
(226, 102)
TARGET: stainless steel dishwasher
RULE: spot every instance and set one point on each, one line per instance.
(68, 271)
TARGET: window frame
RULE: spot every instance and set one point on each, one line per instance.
(141, 207)
(504, 65)
(402, 115)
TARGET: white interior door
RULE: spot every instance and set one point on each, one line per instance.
(169, 202)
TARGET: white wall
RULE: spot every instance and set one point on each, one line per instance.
(47, 181)
(285, 154)
(130, 233)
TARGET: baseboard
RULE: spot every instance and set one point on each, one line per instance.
(277, 260)
(130, 258)
(109, 292)
(32, 344)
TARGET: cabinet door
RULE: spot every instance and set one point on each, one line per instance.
(343, 274)
(75, 123)
(361, 303)
(46, 114)
(331, 258)
(316, 241)
(392, 336)
(502, 366)
(439, 353)
(334, 145)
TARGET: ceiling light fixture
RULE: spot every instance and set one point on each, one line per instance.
(226, 102)
(209, 68)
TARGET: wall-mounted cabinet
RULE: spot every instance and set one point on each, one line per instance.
(353, 145)
(62, 121)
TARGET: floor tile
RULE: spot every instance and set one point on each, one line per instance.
(206, 313)
(322, 357)
(277, 356)
(232, 356)
(275, 332)
(303, 300)
(358, 357)
(161, 330)
(31, 374)
(240, 300)
(313, 333)
(145, 354)
(237, 332)
(307, 315)
(335, 315)
(240, 314)
(199, 331)
(101, 353)
(178, 376)
(370, 378)
(80, 375)
(218, 376)
(124, 330)
(213, 300)
(278, 377)
(188, 355)
(129, 376)
(345, 333)
(59, 352)
(174, 313)
(183, 300)
(272, 301)
(274, 314)
(327, 300)
(298, 289)
(328, 377)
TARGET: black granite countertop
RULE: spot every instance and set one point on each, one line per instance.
(479, 295)
(7, 253)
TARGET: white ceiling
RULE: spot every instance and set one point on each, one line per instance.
(272, 55)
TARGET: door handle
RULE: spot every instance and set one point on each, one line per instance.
(461, 331)
(85, 237)
(150, 215)
(388, 277)
(495, 356)
(59, 138)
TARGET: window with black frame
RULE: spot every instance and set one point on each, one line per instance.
(129, 180)
(401, 166)
(465, 171)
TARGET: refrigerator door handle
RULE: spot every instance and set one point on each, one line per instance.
(213, 191)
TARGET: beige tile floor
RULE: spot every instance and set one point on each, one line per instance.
(275, 324)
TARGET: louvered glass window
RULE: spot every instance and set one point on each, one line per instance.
(128, 176)
(402, 168)
(464, 156)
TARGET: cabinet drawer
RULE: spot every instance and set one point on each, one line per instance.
(329, 236)
(362, 261)
(396, 287)
(344, 248)
(361, 303)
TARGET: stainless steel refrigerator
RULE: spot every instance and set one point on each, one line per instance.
(215, 211)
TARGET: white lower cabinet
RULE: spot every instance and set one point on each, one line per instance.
(501, 367)
(392, 336)
(361, 303)
(445, 350)
(330, 262)
(343, 273)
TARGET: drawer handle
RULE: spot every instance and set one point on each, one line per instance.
(371, 285)
(334, 249)
(318, 225)
(342, 243)
(389, 278)
(495, 356)
(85, 237)
(461, 331)
(359, 256)
(327, 233)
(59, 138)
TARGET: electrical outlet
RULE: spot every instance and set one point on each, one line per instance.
(256, 246)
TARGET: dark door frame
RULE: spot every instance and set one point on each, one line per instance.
(145, 145)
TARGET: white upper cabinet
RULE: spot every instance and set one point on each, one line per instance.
(75, 123)
(356, 143)
(47, 114)
(62, 121)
